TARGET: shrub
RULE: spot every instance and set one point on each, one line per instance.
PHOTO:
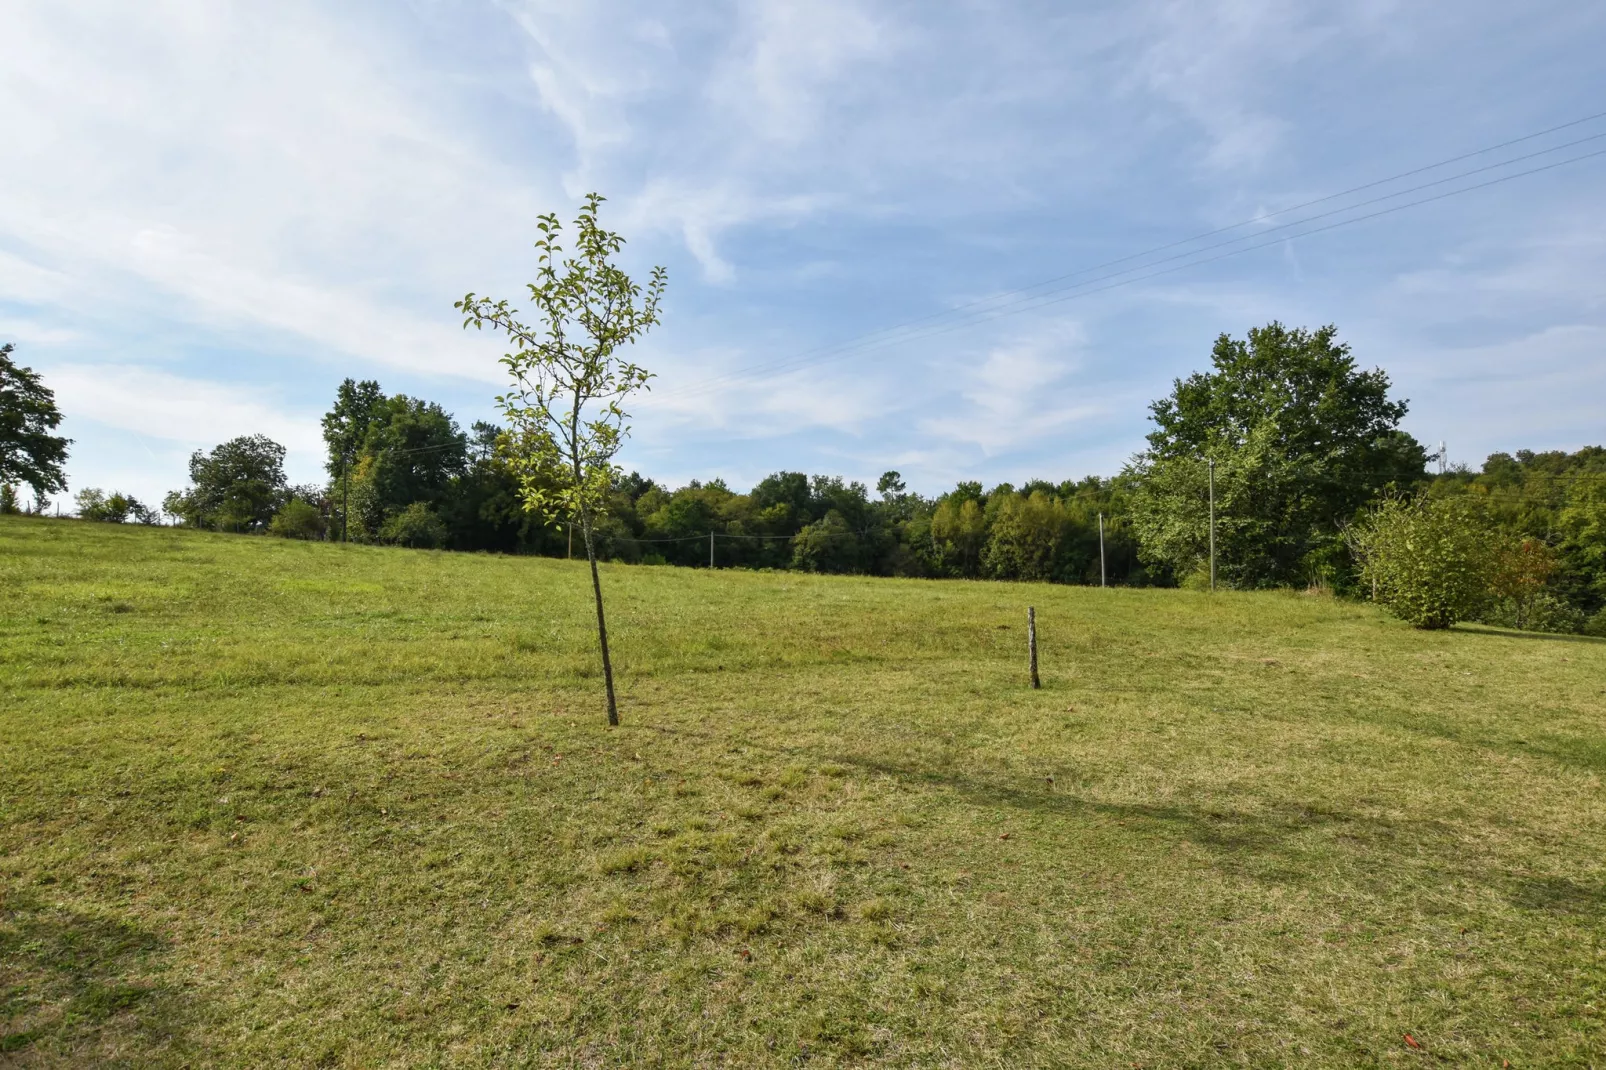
(1430, 562)
(8, 499)
(416, 526)
(297, 520)
(1521, 567)
(115, 508)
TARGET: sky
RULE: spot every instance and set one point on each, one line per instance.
(211, 213)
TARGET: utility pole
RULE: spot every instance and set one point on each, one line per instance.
(1212, 523)
(345, 495)
(710, 549)
(1101, 549)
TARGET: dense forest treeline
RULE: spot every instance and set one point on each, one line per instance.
(1291, 440)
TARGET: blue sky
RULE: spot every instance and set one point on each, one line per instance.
(211, 213)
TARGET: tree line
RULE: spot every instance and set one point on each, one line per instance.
(1297, 448)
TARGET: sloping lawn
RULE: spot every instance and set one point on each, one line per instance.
(267, 803)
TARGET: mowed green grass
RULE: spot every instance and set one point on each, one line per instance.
(267, 803)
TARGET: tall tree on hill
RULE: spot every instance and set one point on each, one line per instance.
(390, 455)
(29, 453)
(565, 407)
(236, 487)
(345, 429)
(1303, 439)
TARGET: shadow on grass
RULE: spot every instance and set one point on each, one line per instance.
(74, 989)
(1512, 633)
(1558, 895)
(1261, 845)
(1215, 827)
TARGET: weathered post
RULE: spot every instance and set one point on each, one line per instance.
(1101, 549)
(1031, 644)
(710, 549)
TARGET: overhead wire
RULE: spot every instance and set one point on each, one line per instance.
(1025, 299)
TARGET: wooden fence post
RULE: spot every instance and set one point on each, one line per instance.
(1031, 643)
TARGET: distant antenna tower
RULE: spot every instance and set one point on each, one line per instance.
(1443, 457)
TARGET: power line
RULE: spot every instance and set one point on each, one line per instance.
(1023, 296)
(1050, 297)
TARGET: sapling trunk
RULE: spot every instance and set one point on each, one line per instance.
(602, 623)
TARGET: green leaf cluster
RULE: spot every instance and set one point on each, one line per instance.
(565, 407)
(1301, 438)
(29, 453)
(1430, 561)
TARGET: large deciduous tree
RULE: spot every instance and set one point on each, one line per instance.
(29, 453)
(236, 487)
(565, 407)
(1302, 439)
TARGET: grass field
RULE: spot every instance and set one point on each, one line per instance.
(267, 803)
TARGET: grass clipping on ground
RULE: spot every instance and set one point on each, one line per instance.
(272, 803)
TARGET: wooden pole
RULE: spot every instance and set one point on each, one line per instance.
(1031, 644)
(1212, 524)
(1101, 550)
(345, 496)
(710, 549)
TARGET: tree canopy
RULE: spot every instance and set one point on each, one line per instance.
(29, 452)
(236, 487)
(1302, 438)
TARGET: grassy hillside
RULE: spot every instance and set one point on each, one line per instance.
(268, 803)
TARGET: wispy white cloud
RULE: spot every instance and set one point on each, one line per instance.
(299, 192)
(1019, 392)
(172, 408)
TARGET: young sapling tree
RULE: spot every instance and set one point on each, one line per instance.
(565, 407)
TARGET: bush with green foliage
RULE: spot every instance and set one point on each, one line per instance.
(297, 519)
(1430, 561)
(1544, 612)
(115, 508)
(416, 526)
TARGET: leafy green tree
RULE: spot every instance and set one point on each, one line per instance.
(345, 431)
(1553, 499)
(114, 508)
(827, 545)
(1170, 513)
(959, 529)
(413, 451)
(1312, 437)
(297, 519)
(482, 508)
(1521, 568)
(345, 426)
(569, 380)
(416, 526)
(29, 453)
(236, 487)
(1025, 536)
(1431, 561)
(387, 452)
